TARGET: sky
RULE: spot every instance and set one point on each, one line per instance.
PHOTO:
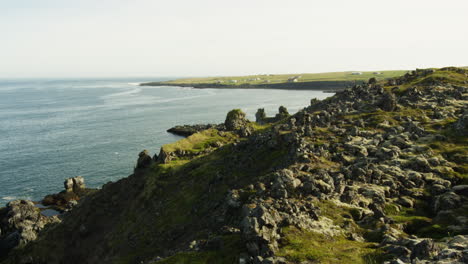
(131, 38)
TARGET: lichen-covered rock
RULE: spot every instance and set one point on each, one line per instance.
(235, 120)
(388, 102)
(75, 184)
(20, 223)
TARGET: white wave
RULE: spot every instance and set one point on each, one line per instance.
(9, 198)
(133, 91)
(134, 83)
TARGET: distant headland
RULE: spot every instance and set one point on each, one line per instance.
(330, 81)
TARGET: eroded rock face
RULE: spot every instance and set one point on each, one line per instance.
(20, 223)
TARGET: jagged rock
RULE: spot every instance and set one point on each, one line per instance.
(448, 200)
(388, 102)
(461, 189)
(405, 201)
(461, 126)
(20, 224)
(75, 184)
(144, 160)
(423, 250)
(233, 199)
(235, 120)
(260, 116)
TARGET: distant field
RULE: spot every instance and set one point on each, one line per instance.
(285, 78)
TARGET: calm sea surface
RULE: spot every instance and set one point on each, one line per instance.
(54, 129)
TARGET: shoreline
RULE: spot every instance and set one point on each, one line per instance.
(325, 86)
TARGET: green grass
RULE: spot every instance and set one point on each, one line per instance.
(454, 149)
(282, 78)
(299, 245)
(200, 141)
(445, 75)
(228, 254)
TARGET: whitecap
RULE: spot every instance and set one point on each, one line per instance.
(9, 198)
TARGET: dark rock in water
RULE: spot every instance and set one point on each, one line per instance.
(144, 160)
(188, 130)
(74, 189)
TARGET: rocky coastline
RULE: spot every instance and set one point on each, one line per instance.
(376, 173)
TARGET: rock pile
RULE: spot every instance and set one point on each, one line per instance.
(20, 223)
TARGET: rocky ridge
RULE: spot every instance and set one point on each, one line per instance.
(375, 174)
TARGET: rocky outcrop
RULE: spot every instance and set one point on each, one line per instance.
(75, 189)
(188, 130)
(262, 119)
(144, 160)
(75, 184)
(235, 120)
(20, 223)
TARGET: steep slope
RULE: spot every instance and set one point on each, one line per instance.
(377, 172)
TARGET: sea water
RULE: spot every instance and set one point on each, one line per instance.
(53, 129)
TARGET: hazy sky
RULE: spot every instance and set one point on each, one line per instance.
(77, 38)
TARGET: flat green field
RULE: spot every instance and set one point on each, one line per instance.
(284, 78)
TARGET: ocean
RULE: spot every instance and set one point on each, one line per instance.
(53, 129)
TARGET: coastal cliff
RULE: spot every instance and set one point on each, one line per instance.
(376, 173)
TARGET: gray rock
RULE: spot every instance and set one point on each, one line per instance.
(144, 160)
(461, 189)
(423, 250)
(448, 200)
(235, 120)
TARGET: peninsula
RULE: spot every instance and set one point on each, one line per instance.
(331, 81)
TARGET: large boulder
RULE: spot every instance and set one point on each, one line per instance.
(446, 201)
(282, 113)
(260, 116)
(235, 120)
(75, 184)
(388, 102)
(461, 126)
